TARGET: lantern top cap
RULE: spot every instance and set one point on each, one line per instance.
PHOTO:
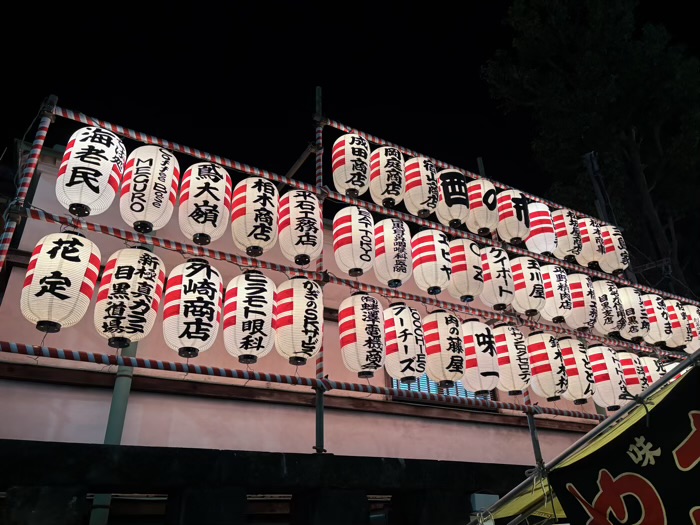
(471, 319)
(74, 232)
(400, 303)
(197, 260)
(252, 270)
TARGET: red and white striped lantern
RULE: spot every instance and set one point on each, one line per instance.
(611, 318)
(481, 372)
(513, 216)
(300, 227)
(653, 368)
(513, 362)
(128, 299)
(616, 258)
(254, 216)
(466, 279)
(91, 171)
(547, 367)
(569, 242)
(205, 202)
(421, 196)
(430, 251)
(558, 303)
(405, 343)
(635, 376)
(592, 246)
(528, 298)
(443, 346)
(149, 188)
(60, 281)
(353, 240)
(361, 331)
(636, 318)
(351, 164)
(542, 238)
(387, 176)
(393, 263)
(681, 332)
(192, 307)
(578, 371)
(498, 288)
(660, 329)
(249, 302)
(452, 207)
(483, 207)
(608, 376)
(584, 308)
(693, 313)
(297, 319)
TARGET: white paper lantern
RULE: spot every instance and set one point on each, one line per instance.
(255, 216)
(480, 358)
(430, 252)
(548, 372)
(513, 216)
(149, 188)
(611, 317)
(542, 237)
(498, 280)
(297, 319)
(405, 343)
(393, 264)
(633, 371)
(361, 331)
(693, 313)
(60, 281)
(528, 296)
(387, 179)
(592, 247)
(569, 242)
(483, 207)
(300, 227)
(353, 240)
(421, 195)
(653, 368)
(616, 258)
(608, 376)
(681, 332)
(205, 202)
(558, 303)
(584, 308)
(466, 279)
(636, 318)
(351, 164)
(443, 347)
(578, 370)
(513, 362)
(660, 329)
(91, 171)
(452, 207)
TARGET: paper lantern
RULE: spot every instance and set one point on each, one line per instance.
(300, 227)
(405, 343)
(297, 319)
(693, 313)
(149, 188)
(608, 376)
(513, 362)
(578, 371)
(681, 332)
(513, 216)
(387, 177)
(452, 207)
(592, 247)
(248, 308)
(636, 318)
(351, 164)
(443, 347)
(430, 252)
(616, 258)
(361, 331)
(558, 303)
(483, 207)
(254, 216)
(353, 240)
(60, 281)
(548, 372)
(653, 368)
(498, 282)
(466, 279)
(393, 264)
(205, 202)
(128, 299)
(91, 171)
(542, 237)
(569, 242)
(192, 307)
(528, 296)
(660, 329)
(584, 308)
(633, 371)
(611, 317)
(421, 195)
(480, 358)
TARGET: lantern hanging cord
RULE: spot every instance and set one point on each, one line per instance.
(639, 400)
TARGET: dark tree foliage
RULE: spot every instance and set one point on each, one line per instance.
(591, 79)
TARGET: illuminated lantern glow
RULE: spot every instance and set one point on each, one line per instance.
(547, 369)
(393, 264)
(681, 331)
(60, 281)
(584, 308)
(430, 251)
(632, 369)
(636, 318)
(353, 240)
(129, 296)
(528, 297)
(513, 216)
(483, 207)
(558, 303)
(481, 372)
(608, 376)
(452, 207)
(498, 288)
(300, 227)
(192, 307)
(361, 331)
(660, 329)
(616, 258)
(297, 319)
(254, 216)
(542, 237)
(578, 371)
(421, 195)
(653, 368)
(387, 177)
(466, 279)
(611, 317)
(91, 171)
(149, 188)
(513, 362)
(443, 346)
(205, 202)
(351, 164)
(693, 313)
(405, 343)
(592, 246)
(569, 242)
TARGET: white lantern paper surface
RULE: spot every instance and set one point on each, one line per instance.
(248, 308)
(452, 206)
(653, 368)
(569, 242)
(609, 377)
(351, 164)
(528, 297)
(298, 319)
(91, 171)
(393, 264)
(636, 318)
(254, 216)
(542, 237)
(660, 329)
(592, 247)
(513, 362)
(584, 308)
(129, 296)
(632, 369)
(443, 346)
(616, 258)
(611, 317)
(498, 282)
(387, 179)
(548, 372)
(405, 343)
(513, 216)
(300, 227)
(361, 331)
(353, 240)
(466, 279)
(430, 252)
(192, 307)
(693, 313)
(421, 195)
(149, 188)
(558, 304)
(205, 202)
(483, 207)
(681, 332)
(60, 281)
(481, 372)
(578, 371)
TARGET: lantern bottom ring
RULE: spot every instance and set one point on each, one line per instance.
(466, 298)
(188, 351)
(387, 203)
(553, 398)
(297, 361)
(247, 359)
(254, 251)
(79, 210)
(143, 226)
(423, 213)
(516, 240)
(593, 265)
(637, 339)
(352, 192)
(515, 392)
(118, 342)
(434, 290)
(580, 401)
(446, 383)
(408, 380)
(394, 283)
(484, 232)
(201, 239)
(455, 223)
(558, 319)
(481, 392)
(365, 374)
(50, 327)
(355, 272)
(499, 307)
(613, 408)
(302, 260)
(531, 312)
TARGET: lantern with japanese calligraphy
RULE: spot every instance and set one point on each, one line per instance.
(443, 347)
(611, 318)
(558, 305)
(480, 359)
(578, 371)
(653, 368)
(149, 188)
(405, 343)
(498, 283)
(616, 258)
(528, 296)
(361, 331)
(542, 237)
(568, 235)
(205, 202)
(584, 308)
(483, 209)
(248, 306)
(430, 251)
(300, 227)
(60, 281)
(297, 319)
(393, 264)
(693, 313)
(353, 240)
(351, 164)
(592, 247)
(91, 171)
(513, 216)
(421, 194)
(547, 367)
(608, 376)
(466, 279)
(681, 332)
(513, 363)
(387, 177)
(129, 296)
(636, 318)
(452, 206)
(660, 329)
(254, 216)
(632, 369)
(192, 307)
